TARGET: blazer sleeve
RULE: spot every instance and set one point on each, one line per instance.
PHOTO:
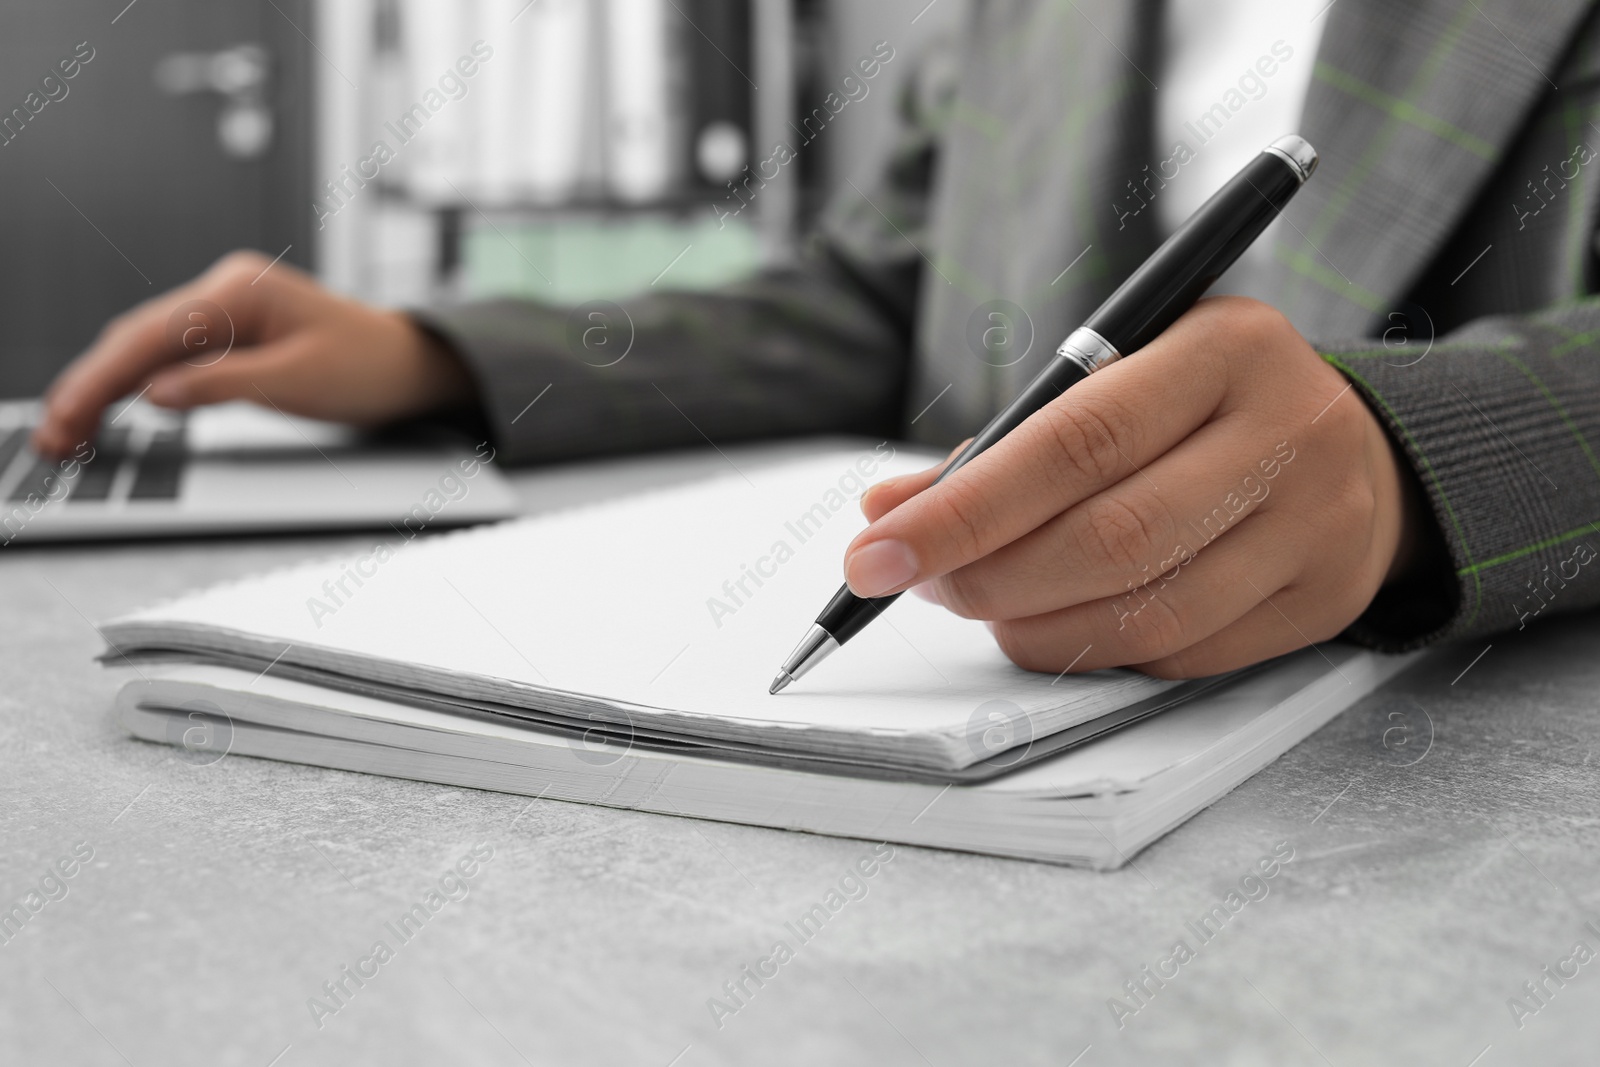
(1501, 423)
(819, 346)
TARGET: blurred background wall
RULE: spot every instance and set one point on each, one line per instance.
(409, 151)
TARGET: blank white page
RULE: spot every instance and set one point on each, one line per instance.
(681, 602)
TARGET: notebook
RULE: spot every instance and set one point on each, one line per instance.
(588, 654)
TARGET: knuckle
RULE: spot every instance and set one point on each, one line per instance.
(1337, 415)
(117, 326)
(1155, 631)
(960, 512)
(1259, 326)
(241, 259)
(1014, 641)
(1361, 575)
(1355, 499)
(1174, 668)
(237, 268)
(1266, 323)
(1087, 438)
(964, 596)
(1343, 418)
(1118, 534)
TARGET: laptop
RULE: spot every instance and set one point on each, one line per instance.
(238, 468)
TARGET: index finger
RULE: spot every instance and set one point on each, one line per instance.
(1105, 428)
(140, 341)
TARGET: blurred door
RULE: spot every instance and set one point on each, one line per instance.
(137, 144)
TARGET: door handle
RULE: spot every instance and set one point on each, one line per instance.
(241, 75)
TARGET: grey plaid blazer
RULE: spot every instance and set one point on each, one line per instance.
(1444, 259)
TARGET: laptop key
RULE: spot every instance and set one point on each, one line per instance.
(10, 444)
(94, 481)
(160, 468)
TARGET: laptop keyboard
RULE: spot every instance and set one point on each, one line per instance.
(156, 460)
(233, 468)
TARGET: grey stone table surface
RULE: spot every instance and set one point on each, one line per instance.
(1445, 836)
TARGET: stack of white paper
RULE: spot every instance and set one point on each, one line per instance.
(633, 642)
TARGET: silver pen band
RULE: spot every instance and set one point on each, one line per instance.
(1298, 153)
(1088, 350)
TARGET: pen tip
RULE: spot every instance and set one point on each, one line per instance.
(778, 683)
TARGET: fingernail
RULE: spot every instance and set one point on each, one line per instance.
(875, 569)
(927, 591)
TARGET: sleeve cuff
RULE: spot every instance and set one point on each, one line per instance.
(1488, 443)
(504, 345)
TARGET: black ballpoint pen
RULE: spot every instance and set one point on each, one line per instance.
(1164, 287)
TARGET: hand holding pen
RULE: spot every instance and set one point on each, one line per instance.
(1220, 498)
